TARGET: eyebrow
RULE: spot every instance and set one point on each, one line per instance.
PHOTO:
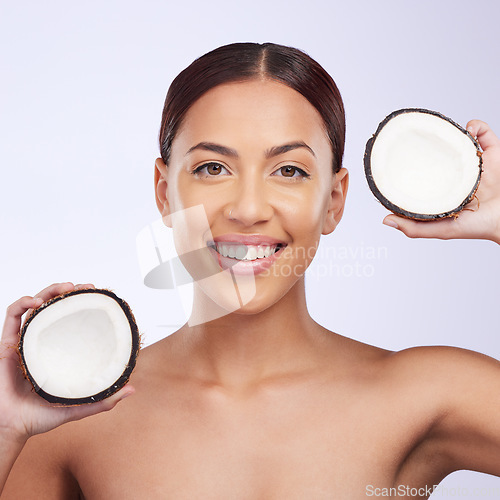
(279, 150)
(270, 153)
(216, 148)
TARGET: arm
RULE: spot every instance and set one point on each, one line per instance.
(22, 412)
(461, 388)
(9, 451)
(42, 469)
(483, 221)
(467, 434)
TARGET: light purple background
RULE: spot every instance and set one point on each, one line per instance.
(82, 88)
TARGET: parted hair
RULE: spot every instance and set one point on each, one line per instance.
(248, 61)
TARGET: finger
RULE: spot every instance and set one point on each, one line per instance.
(15, 311)
(443, 229)
(85, 286)
(78, 412)
(484, 134)
(54, 290)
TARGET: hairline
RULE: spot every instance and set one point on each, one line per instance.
(262, 76)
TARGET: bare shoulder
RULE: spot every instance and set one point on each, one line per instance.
(447, 368)
(442, 402)
(449, 386)
(459, 391)
(445, 376)
(466, 382)
(444, 366)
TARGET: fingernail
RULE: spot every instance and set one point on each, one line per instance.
(390, 222)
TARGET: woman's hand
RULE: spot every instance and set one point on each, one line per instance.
(22, 412)
(481, 217)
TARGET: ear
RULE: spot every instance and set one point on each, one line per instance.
(337, 198)
(161, 190)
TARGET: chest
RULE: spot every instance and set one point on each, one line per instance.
(307, 447)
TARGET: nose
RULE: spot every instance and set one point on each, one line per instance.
(250, 202)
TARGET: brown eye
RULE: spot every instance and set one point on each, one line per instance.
(292, 172)
(210, 169)
(214, 168)
(288, 171)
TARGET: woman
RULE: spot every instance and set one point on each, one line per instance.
(261, 401)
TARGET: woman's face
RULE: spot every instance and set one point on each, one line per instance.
(254, 159)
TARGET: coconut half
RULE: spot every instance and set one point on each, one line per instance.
(422, 165)
(79, 347)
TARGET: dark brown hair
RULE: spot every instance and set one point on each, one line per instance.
(247, 61)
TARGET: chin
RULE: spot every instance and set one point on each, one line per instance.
(212, 302)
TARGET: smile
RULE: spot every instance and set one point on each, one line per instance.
(245, 252)
(246, 258)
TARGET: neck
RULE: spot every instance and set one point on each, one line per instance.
(239, 350)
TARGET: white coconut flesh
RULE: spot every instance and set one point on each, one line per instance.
(423, 163)
(78, 346)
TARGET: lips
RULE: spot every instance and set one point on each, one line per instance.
(246, 254)
(248, 239)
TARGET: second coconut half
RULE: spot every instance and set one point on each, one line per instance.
(422, 165)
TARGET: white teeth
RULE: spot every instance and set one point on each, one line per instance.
(269, 250)
(251, 253)
(240, 252)
(245, 252)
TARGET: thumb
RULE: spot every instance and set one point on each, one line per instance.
(78, 412)
(443, 229)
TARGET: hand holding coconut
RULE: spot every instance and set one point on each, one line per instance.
(22, 412)
(481, 217)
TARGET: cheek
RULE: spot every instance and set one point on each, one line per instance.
(306, 212)
(304, 218)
